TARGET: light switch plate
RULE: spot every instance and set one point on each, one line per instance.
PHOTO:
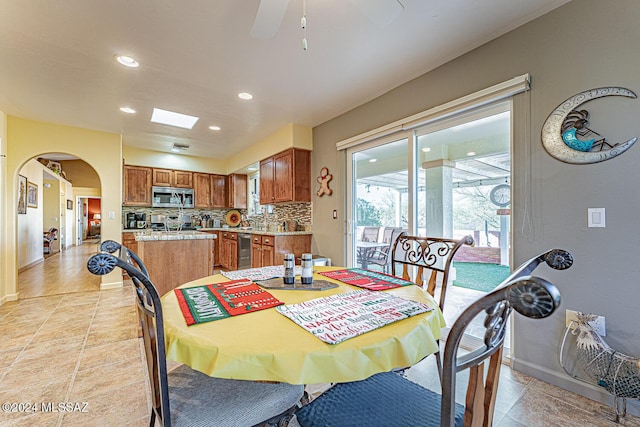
(596, 217)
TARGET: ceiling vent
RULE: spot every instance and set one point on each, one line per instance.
(177, 148)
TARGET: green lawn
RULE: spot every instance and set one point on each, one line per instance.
(479, 276)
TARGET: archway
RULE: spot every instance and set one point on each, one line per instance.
(27, 139)
(48, 262)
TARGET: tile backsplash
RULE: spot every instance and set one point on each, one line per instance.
(272, 215)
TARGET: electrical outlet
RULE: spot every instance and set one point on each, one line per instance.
(598, 324)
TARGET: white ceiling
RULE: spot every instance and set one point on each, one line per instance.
(57, 62)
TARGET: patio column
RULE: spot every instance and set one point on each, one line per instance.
(439, 197)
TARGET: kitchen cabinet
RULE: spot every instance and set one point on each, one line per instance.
(136, 186)
(261, 251)
(172, 178)
(218, 191)
(237, 191)
(129, 241)
(286, 177)
(217, 244)
(229, 250)
(202, 190)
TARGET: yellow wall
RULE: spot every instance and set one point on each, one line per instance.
(291, 135)
(141, 157)
(80, 173)
(29, 138)
(5, 240)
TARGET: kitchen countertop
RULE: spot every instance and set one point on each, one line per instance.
(204, 232)
(261, 232)
(148, 235)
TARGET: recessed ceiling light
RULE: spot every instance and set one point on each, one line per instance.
(127, 110)
(471, 153)
(245, 95)
(214, 127)
(372, 160)
(127, 61)
(173, 119)
(426, 149)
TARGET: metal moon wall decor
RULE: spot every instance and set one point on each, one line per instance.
(566, 134)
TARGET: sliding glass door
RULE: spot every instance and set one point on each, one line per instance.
(379, 201)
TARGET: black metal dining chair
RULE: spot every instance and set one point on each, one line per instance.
(185, 397)
(390, 399)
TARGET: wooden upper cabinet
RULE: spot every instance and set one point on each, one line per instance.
(286, 177)
(237, 191)
(266, 181)
(136, 186)
(218, 191)
(202, 190)
(183, 179)
(171, 178)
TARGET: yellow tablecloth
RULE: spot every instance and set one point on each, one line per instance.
(266, 345)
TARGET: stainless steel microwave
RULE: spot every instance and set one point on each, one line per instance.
(170, 197)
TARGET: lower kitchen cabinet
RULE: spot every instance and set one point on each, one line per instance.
(228, 250)
(271, 249)
(261, 251)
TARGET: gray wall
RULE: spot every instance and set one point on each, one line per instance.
(583, 45)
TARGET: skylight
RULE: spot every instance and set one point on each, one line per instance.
(173, 119)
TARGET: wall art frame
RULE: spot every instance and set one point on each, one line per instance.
(22, 194)
(32, 195)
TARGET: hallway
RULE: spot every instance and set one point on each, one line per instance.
(62, 273)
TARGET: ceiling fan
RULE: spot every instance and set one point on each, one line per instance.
(271, 12)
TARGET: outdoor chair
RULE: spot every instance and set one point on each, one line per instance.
(381, 258)
(390, 399)
(185, 397)
(370, 234)
(387, 233)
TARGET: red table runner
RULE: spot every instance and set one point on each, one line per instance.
(366, 279)
(206, 303)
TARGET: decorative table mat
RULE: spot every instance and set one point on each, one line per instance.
(262, 273)
(278, 283)
(367, 279)
(336, 318)
(217, 301)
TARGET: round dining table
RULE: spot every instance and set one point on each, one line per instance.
(265, 345)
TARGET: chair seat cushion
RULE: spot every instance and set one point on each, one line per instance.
(383, 400)
(197, 399)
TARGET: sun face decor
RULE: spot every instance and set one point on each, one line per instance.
(323, 180)
(567, 137)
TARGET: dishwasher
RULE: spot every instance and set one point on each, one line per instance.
(244, 251)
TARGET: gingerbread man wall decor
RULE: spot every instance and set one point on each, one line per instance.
(323, 180)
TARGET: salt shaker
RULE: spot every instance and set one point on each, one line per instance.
(307, 270)
(289, 273)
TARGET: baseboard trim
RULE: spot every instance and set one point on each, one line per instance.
(563, 380)
(112, 285)
(28, 266)
(9, 298)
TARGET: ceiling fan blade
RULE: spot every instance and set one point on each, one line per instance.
(268, 18)
(380, 12)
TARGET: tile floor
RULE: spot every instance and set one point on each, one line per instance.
(79, 344)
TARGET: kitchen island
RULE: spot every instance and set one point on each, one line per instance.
(175, 257)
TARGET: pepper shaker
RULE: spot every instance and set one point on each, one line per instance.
(307, 270)
(289, 272)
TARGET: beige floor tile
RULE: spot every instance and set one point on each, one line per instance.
(29, 374)
(97, 380)
(41, 352)
(537, 409)
(8, 357)
(109, 353)
(100, 335)
(29, 419)
(115, 406)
